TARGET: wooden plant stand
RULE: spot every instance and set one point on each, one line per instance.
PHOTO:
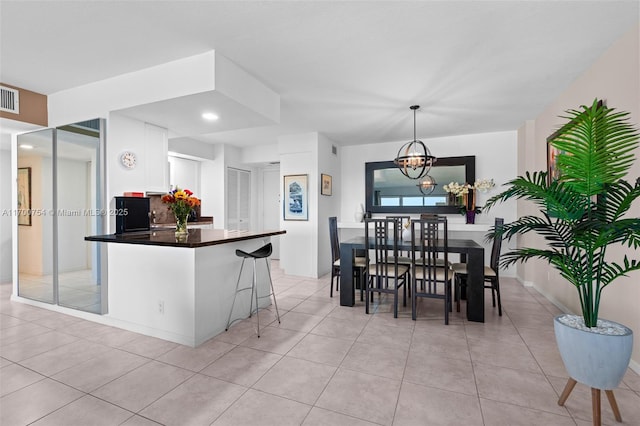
(595, 401)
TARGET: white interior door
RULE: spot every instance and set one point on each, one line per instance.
(271, 203)
(238, 199)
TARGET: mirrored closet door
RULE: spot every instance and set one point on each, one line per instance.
(55, 264)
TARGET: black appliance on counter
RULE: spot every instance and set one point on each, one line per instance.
(132, 214)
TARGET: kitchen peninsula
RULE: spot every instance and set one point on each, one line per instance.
(180, 291)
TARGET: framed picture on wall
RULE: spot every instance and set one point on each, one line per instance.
(296, 199)
(552, 152)
(552, 159)
(24, 196)
(325, 184)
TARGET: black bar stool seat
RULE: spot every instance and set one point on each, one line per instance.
(262, 253)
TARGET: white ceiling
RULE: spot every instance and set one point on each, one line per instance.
(348, 69)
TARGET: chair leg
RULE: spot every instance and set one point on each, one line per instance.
(493, 295)
(395, 299)
(498, 293)
(456, 292)
(366, 295)
(333, 275)
(254, 289)
(447, 302)
(413, 298)
(273, 292)
(234, 297)
(404, 289)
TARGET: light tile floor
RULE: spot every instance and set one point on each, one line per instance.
(323, 365)
(76, 289)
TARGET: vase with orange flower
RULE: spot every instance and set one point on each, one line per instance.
(181, 202)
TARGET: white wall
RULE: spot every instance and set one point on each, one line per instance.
(615, 78)
(261, 154)
(190, 148)
(127, 134)
(299, 246)
(185, 173)
(496, 155)
(328, 163)
(5, 210)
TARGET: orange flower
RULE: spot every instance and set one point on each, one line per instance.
(181, 201)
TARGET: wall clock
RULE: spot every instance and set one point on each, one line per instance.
(128, 159)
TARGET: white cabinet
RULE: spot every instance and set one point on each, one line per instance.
(156, 165)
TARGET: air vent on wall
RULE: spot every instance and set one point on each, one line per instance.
(9, 100)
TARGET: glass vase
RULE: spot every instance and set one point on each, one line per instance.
(181, 225)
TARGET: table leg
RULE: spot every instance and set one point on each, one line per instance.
(475, 284)
(347, 290)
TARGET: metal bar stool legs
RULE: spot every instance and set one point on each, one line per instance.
(262, 253)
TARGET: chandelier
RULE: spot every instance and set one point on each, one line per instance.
(414, 159)
(427, 185)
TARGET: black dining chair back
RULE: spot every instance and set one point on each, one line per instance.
(496, 247)
(491, 272)
(385, 274)
(492, 277)
(358, 261)
(430, 254)
(401, 221)
(335, 252)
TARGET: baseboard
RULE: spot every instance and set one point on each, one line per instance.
(523, 282)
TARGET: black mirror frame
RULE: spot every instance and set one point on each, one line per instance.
(468, 161)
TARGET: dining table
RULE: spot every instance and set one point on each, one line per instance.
(469, 250)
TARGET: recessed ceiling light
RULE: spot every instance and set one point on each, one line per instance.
(25, 146)
(209, 116)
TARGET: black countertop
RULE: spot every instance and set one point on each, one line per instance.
(196, 237)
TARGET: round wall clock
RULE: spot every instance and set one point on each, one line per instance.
(128, 159)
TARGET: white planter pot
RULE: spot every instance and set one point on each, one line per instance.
(594, 359)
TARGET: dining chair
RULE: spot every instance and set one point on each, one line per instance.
(491, 272)
(359, 264)
(429, 240)
(384, 274)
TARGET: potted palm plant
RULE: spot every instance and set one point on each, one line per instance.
(583, 213)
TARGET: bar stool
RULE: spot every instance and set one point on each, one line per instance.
(261, 253)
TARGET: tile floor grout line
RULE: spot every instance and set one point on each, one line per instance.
(314, 297)
(473, 371)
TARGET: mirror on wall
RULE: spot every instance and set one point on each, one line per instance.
(66, 206)
(389, 191)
